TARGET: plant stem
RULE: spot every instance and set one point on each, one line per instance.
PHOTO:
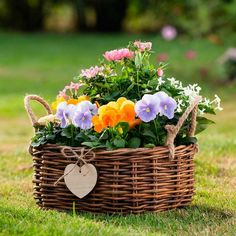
(155, 124)
(138, 83)
(72, 135)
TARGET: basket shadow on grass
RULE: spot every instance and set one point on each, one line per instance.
(197, 216)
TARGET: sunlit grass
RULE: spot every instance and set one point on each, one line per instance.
(42, 64)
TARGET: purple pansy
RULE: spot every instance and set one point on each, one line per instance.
(88, 106)
(83, 120)
(167, 104)
(147, 108)
(83, 115)
(65, 113)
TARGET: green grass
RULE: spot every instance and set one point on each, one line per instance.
(42, 64)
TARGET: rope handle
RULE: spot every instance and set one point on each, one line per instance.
(29, 110)
(173, 130)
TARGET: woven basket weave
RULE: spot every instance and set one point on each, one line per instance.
(129, 180)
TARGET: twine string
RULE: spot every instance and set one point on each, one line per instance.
(173, 130)
(80, 158)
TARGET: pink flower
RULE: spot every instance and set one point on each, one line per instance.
(143, 45)
(92, 72)
(117, 55)
(190, 54)
(162, 57)
(160, 72)
(168, 32)
(62, 94)
(72, 87)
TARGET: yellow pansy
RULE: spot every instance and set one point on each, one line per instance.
(55, 103)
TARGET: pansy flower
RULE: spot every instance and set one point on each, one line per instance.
(147, 108)
(65, 113)
(167, 104)
(83, 115)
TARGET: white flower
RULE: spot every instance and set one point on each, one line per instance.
(191, 91)
(201, 111)
(46, 119)
(175, 83)
(217, 102)
(179, 105)
(206, 102)
(160, 82)
(180, 85)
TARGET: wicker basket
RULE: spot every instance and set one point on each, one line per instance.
(129, 180)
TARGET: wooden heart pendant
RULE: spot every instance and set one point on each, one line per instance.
(80, 180)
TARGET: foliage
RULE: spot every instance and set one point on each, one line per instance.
(193, 17)
(115, 89)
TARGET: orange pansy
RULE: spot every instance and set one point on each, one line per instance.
(72, 101)
(97, 123)
(120, 101)
(109, 115)
(127, 111)
(133, 123)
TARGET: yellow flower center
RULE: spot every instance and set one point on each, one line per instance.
(147, 109)
(165, 107)
(83, 119)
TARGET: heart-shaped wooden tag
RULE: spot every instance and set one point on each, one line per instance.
(80, 180)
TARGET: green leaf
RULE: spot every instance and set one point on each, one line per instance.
(188, 140)
(204, 120)
(120, 143)
(109, 145)
(153, 82)
(93, 144)
(134, 142)
(124, 126)
(82, 89)
(202, 124)
(67, 132)
(104, 135)
(149, 145)
(149, 133)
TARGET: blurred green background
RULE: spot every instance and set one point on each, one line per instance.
(44, 44)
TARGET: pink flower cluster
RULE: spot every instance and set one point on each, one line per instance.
(117, 55)
(92, 72)
(143, 46)
(72, 87)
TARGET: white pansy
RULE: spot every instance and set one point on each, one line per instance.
(217, 102)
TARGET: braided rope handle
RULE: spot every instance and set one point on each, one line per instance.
(29, 110)
(173, 130)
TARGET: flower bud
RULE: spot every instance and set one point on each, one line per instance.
(160, 72)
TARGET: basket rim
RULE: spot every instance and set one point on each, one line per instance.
(119, 150)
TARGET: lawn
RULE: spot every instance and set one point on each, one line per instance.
(43, 64)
